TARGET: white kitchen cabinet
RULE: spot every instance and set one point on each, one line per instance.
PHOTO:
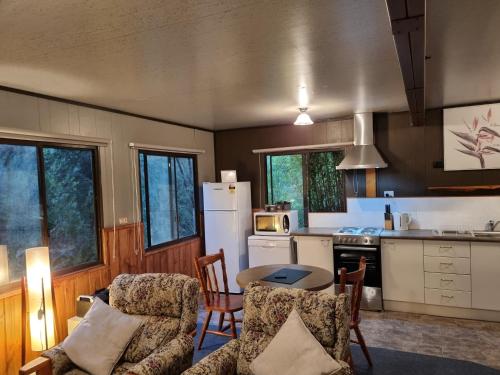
(459, 266)
(485, 272)
(447, 281)
(452, 249)
(403, 270)
(316, 251)
(454, 298)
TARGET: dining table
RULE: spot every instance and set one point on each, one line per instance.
(317, 278)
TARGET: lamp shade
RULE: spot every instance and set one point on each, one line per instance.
(303, 119)
(39, 290)
(4, 265)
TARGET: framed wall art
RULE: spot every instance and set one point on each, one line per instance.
(471, 137)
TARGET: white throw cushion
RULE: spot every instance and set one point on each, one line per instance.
(98, 342)
(293, 351)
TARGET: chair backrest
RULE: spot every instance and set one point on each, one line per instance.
(167, 304)
(356, 279)
(207, 275)
(266, 309)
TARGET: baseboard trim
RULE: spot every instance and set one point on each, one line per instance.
(446, 311)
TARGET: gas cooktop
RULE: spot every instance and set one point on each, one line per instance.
(358, 235)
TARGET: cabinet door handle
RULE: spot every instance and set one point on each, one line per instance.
(446, 247)
(447, 280)
(447, 264)
(448, 297)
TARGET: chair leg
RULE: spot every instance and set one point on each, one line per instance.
(204, 329)
(233, 327)
(221, 320)
(362, 343)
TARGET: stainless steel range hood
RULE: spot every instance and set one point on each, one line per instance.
(364, 154)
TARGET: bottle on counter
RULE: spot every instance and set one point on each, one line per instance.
(388, 218)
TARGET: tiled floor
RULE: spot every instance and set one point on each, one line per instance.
(469, 340)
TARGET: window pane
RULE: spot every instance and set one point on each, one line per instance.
(71, 211)
(185, 196)
(326, 183)
(285, 182)
(162, 212)
(20, 219)
(143, 199)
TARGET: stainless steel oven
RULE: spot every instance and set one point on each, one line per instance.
(348, 248)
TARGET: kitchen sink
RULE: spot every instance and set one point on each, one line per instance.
(486, 234)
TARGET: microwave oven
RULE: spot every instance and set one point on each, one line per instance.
(279, 223)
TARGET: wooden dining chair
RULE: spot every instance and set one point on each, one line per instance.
(216, 299)
(356, 279)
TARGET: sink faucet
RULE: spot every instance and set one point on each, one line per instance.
(491, 225)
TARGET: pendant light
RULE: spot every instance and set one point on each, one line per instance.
(303, 118)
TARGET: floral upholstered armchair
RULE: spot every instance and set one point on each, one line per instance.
(265, 311)
(168, 305)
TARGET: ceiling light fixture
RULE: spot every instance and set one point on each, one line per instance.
(303, 118)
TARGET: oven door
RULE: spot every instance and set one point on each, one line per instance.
(349, 256)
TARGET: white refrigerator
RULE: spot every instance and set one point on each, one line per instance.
(228, 223)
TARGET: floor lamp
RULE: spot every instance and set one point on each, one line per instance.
(38, 302)
(4, 265)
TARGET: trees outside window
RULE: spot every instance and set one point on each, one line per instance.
(168, 197)
(48, 197)
(308, 180)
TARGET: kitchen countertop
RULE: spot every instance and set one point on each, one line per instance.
(413, 234)
(427, 234)
(315, 232)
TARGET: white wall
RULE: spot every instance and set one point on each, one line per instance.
(427, 212)
(32, 113)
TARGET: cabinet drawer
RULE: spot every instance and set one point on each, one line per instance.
(447, 265)
(447, 297)
(447, 249)
(448, 281)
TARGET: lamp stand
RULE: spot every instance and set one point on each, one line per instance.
(24, 312)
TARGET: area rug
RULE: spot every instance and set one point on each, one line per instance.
(386, 361)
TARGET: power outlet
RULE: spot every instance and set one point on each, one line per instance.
(388, 193)
(122, 220)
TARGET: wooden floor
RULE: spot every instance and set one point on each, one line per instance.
(469, 340)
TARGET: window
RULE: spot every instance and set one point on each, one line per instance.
(48, 197)
(168, 199)
(309, 181)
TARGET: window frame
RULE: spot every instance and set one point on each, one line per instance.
(305, 178)
(98, 207)
(147, 233)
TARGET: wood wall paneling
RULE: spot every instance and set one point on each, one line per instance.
(129, 258)
(233, 150)
(410, 151)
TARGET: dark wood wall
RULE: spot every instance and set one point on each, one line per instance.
(233, 150)
(414, 154)
(415, 157)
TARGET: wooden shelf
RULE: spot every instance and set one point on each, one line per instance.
(465, 188)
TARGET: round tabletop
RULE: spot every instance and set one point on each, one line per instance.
(318, 279)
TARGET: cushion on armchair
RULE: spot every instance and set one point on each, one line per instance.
(294, 350)
(267, 309)
(98, 342)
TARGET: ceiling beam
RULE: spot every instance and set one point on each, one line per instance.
(408, 29)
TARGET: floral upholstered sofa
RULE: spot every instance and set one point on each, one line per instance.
(265, 311)
(168, 304)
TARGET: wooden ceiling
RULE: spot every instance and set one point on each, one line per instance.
(220, 64)
(462, 43)
(215, 64)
